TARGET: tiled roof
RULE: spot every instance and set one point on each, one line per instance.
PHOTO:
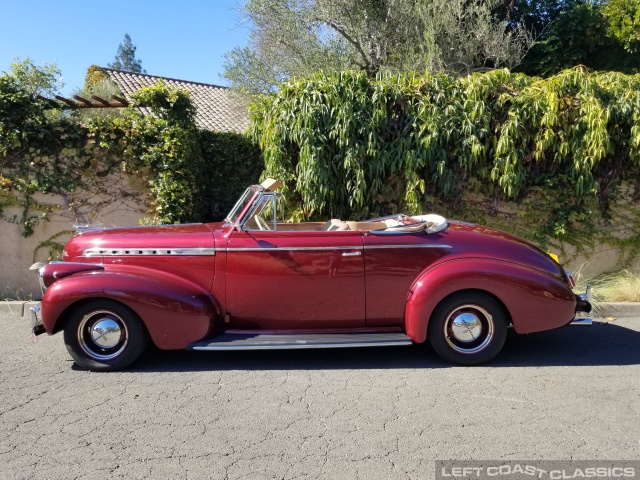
(216, 108)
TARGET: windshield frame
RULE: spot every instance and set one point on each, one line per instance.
(244, 203)
(261, 202)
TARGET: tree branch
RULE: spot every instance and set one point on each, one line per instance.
(348, 38)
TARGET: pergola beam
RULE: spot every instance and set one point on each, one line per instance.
(121, 100)
(81, 102)
(101, 101)
(67, 101)
(49, 101)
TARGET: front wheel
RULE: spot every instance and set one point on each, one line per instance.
(104, 335)
(468, 328)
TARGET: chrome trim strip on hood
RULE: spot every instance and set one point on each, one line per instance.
(116, 252)
(94, 227)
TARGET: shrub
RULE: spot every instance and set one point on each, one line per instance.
(351, 146)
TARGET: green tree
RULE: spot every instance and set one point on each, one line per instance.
(98, 83)
(36, 80)
(586, 34)
(126, 57)
(463, 36)
(623, 17)
(19, 88)
(298, 37)
(95, 74)
(536, 15)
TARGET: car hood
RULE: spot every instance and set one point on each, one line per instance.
(146, 239)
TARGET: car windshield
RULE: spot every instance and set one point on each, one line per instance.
(240, 205)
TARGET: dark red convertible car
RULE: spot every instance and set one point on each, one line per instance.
(255, 282)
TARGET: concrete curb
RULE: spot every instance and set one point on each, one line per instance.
(11, 307)
(617, 309)
(16, 307)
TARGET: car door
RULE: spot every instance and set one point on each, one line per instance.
(393, 261)
(278, 279)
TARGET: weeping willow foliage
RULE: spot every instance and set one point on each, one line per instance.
(351, 146)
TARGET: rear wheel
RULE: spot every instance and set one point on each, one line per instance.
(468, 328)
(104, 335)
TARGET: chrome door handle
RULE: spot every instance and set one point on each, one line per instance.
(351, 254)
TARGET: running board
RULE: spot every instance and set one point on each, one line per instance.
(245, 341)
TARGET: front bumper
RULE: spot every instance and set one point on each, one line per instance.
(36, 321)
(583, 308)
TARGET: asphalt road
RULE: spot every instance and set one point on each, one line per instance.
(380, 413)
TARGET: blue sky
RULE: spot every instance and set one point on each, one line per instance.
(183, 39)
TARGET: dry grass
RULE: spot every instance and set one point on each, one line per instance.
(622, 286)
(12, 294)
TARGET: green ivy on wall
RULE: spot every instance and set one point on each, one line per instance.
(45, 150)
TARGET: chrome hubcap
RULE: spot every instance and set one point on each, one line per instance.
(102, 334)
(466, 327)
(106, 333)
(469, 329)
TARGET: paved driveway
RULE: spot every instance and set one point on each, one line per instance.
(369, 413)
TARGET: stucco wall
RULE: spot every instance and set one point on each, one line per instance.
(596, 260)
(123, 205)
(623, 225)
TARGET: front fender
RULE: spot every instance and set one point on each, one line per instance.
(535, 301)
(176, 312)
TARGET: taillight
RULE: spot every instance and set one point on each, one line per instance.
(572, 282)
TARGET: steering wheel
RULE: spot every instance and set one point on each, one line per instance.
(262, 224)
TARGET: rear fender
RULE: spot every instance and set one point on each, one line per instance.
(533, 300)
(175, 312)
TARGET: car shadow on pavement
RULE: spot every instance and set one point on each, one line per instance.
(598, 344)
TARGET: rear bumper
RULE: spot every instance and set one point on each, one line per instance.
(36, 321)
(583, 308)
